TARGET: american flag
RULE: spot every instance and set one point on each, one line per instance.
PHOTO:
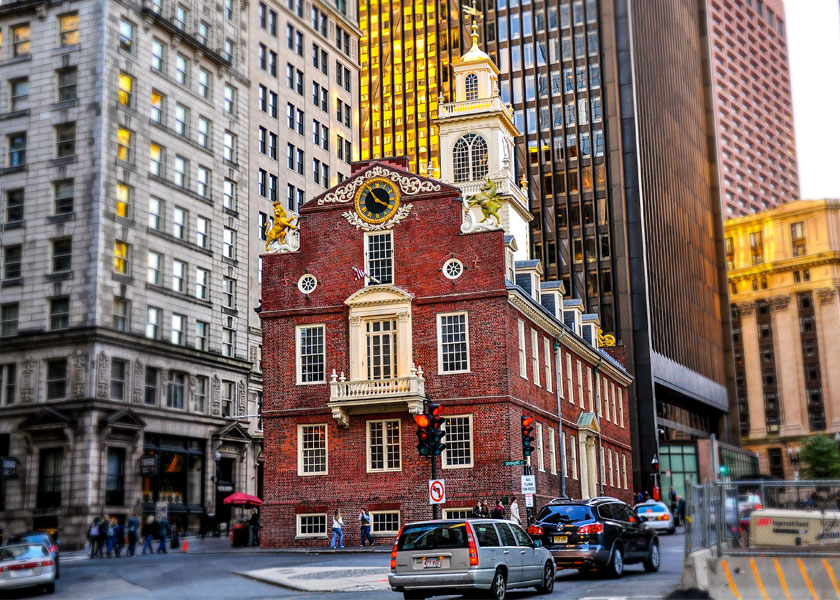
(359, 274)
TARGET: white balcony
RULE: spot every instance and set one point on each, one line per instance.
(352, 396)
(467, 107)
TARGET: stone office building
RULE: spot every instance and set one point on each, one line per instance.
(124, 287)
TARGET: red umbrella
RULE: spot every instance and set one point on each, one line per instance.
(242, 499)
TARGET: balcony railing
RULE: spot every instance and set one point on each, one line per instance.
(345, 395)
(446, 109)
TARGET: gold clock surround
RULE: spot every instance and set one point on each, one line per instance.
(377, 183)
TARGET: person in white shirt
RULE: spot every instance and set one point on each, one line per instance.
(514, 511)
(337, 524)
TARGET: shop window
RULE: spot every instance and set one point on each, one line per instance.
(115, 477)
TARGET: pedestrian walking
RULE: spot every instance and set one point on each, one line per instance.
(111, 535)
(149, 532)
(103, 536)
(681, 508)
(477, 511)
(163, 531)
(514, 510)
(133, 527)
(93, 537)
(337, 531)
(639, 498)
(364, 521)
(498, 511)
(485, 510)
(254, 525)
(119, 532)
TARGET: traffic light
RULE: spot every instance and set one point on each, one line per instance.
(437, 433)
(423, 434)
(724, 470)
(527, 438)
(655, 464)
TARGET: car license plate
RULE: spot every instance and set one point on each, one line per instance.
(561, 539)
(431, 563)
(22, 573)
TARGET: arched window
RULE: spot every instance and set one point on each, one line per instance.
(470, 158)
(471, 86)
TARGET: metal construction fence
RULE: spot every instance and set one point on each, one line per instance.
(760, 517)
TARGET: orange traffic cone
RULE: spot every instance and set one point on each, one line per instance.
(186, 546)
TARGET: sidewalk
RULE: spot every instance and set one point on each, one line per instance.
(221, 545)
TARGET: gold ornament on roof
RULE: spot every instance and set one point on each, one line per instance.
(281, 224)
(486, 200)
(607, 341)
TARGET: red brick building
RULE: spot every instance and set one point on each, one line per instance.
(347, 363)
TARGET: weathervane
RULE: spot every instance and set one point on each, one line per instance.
(474, 14)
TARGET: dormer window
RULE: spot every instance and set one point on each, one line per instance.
(470, 158)
(471, 86)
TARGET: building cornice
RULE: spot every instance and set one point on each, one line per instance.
(784, 266)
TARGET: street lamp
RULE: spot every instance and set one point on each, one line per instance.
(217, 458)
(654, 463)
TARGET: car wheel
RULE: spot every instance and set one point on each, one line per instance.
(413, 595)
(616, 564)
(672, 531)
(654, 558)
(50, 588)
(498, 589)
(548, 579)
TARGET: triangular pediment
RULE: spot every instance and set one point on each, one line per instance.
(46, 418)
(378, 295)
(409, 184)
(234, 432)
(124, 419)
(589, 422)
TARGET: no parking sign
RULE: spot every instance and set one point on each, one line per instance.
(437, 491)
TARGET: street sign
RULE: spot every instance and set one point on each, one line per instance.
(514, 463)
(529, 484)
(437, 491)
(9, 468)
(529, 500)
(667, 472)
(224, 487)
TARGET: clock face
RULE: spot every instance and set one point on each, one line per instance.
(377, 201)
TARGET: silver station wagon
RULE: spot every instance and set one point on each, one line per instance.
(435, 558)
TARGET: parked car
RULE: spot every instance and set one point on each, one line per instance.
(603, 534)
(749, 502)
(38, 537)
(488, 556)
(656, 515)
(26, 565)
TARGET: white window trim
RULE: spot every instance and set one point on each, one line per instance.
(598, 400)
(303, 536)
(606, 396)
(368, 235)
(523, 362)
(439, 319)
(298, 365)
(549, 384)
(621, 406)
(535, 356)
(326, 470)
(610, 455)
(443, 461)
(614, 405)
(590, 389)
(574, 456)
(450, 513)
(569, 378)
(389, 532)
(624, 469)
(580, 382)
(367, 446)
(540, 449)
(552, 450)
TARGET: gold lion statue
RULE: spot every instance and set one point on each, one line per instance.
(280, 225)
(488, 202)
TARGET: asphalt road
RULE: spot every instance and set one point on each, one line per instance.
(179, 576)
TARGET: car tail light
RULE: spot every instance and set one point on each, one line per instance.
(394, 551)
(535, 530)
(53, 548)
(758, 507)
(473, 549)
(591, 528)
(662, 518)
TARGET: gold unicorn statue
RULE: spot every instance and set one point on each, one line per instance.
(486, 199)
(280, 225)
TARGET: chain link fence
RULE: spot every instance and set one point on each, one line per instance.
(764, 516)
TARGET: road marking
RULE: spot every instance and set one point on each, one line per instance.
(758, 580)
(831, 575)
(729, 578)
(781, 578)
(77, 558)
(807, 580)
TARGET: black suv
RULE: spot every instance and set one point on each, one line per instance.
(601, 534)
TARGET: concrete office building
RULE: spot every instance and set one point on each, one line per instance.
(304, 77)
(753, 108)
(124, 281)
(627, 218)
(783, 277)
